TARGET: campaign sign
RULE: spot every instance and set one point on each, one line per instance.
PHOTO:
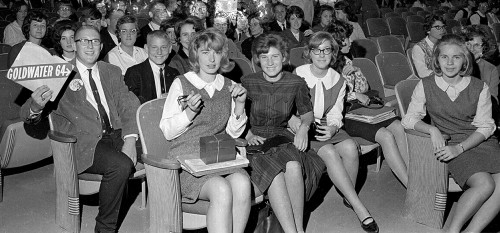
(35, 66)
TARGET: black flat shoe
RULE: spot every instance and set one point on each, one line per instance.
(347, 204)
(371, 227)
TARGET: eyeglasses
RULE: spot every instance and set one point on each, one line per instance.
(439, 27)
(220, 25)
(131, 31)
(326, 51)
(87, 42)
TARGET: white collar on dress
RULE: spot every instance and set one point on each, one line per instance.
(197, 82)
(443, 85)
(330, 79)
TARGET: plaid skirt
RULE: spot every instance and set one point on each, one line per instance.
(265, 167)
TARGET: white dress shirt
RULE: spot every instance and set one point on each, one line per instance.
(483, 120)
(282, 25)
(418, 57)
(174, 120)
(154, 26)
(122, 59)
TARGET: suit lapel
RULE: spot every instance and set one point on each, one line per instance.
(150, 78)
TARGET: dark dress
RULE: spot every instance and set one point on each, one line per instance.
(454, 118)
(271, 106)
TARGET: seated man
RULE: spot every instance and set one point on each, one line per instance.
(152, 78)
(98, 109)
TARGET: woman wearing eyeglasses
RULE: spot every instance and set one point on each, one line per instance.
(421, 53)
(337, 149)
(126, 54)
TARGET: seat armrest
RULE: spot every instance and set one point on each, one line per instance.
(446, 137)
(157, 161)
(61, 137)
(389, 86)
(240, 142)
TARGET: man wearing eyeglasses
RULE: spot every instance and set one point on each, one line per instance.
(158, 13)
(99, 111)
(152, 78)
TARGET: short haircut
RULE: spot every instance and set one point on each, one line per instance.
(168, 23)
(189, 20)
(59, 28)
(430, 20)
(316, 40)
(64, 3)
(264, 42)
(158, 34)
(16, 6)
(277, 5)
(323, 8)
(126, 19)
(340, 30)
(452, 39)
(32, 16)
(86, 27)
(153, 4)
(347, 9)
(211, 38)
(294, 10)
(471, 31)
(111, 11)
(255, 15)
(90, 13)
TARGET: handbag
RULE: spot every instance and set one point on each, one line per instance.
(267, 221)
(375, 102)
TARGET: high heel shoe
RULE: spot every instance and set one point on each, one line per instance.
(371, 227)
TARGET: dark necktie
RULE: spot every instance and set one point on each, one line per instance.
(162, 81)
(106, 126)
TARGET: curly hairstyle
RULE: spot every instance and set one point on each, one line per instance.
(195, 21)
(316, 40)
(452, 39)
(323, 8)
(264, 42)
(471, 31)
(126, 19)
(33, 16)
(16, 6)
(59, 28)
(431, 19)
(340, 31)
(293, 10)
(210, 38)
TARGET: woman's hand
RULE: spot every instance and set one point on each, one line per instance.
(294, 124)
(238, 92)
(308, 32)
(326, 132)
(301, 139)
(194, 102)
(253, 139)
(349, 69)
(364, 99)
(448, 153)
(438, 142)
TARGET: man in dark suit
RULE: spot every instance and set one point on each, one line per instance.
(152, 78)
(99, 111)
(108, 34)
(279, 24)
(158, 13)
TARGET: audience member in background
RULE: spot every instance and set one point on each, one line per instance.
(421, 53)
(460, 106)
(34, 29)
(279, 24)
(102, 118)
(288, 171)
(13, 33)
(157, 13)
(389, 134)
(241, 32)
(91, 17)
(109, 38)
(63, 39)
(465, 12)
(345, 13)
(446, 3)
(479, 17)
(492, 14)
(337, 149)
(256, 29)
(324, 18)
(418, 3)
(199, 9)
(126, 54)
(221, 24)
(64, 10)
(293, 35)
(102, 8)
(476, 44)
(172, 6)
(215, 99)
(152, 78)
(168, 26)
(184, 31)
(307, 7)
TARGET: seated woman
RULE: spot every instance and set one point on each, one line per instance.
(126, 54)
(13, 33)
(210, 98)
(184, 30)
(222, 24)
(333, 144)
(285, 171)
(421, 53)
(292, 33)
(345, 13)
(389, 134)
(460, 106)
(324, 18)
(64, 39)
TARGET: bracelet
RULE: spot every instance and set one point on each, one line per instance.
(461, 146)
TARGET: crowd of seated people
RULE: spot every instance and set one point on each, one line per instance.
(182, 53)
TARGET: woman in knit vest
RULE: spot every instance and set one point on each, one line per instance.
(460, 106)
(337, 149)
(421, 53)
(194, 99)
